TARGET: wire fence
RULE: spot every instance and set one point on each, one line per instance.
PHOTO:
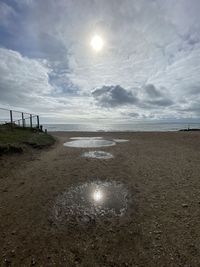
(19, 118)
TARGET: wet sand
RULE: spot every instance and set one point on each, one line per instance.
(161, 226)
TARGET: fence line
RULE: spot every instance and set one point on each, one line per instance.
(17, 111)
(21, 120)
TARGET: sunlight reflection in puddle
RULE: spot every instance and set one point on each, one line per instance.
(90, 201)
(97, 155)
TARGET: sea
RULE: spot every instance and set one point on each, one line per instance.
(130, 127)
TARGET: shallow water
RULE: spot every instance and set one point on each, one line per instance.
(89, 143)
(91, 201)
(97, 155)
(120, 140)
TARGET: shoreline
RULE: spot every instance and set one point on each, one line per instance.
(134, 127)
(96, 133)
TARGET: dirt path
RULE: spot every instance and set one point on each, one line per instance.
(162, 223)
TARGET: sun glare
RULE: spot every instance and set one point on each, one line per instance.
(97, 196)
(97, 43)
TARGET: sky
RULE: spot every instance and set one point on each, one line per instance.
(148, 68)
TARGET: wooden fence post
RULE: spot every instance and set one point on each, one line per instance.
(31, 123)
(38, 122)
(11, 118)
(22, 119)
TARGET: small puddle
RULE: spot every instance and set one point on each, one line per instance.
(89, 143)
(90, 201)
(120, 140)
(97, 155)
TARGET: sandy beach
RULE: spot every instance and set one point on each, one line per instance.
(160, 227)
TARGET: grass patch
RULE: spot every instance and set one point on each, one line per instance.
(14, 140)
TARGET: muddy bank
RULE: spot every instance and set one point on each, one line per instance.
(159, 173)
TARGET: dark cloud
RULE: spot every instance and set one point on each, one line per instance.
(133, 114)
(116, 96)
(194, 90)
(161, 102)
(151, 91)
(156, 97)
(113, 96)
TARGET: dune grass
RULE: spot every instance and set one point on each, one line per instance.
(14, 139)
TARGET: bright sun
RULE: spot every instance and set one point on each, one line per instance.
(97, 43)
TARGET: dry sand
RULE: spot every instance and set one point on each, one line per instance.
(162, 223)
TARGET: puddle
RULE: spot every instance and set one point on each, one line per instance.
(91, 201)
(97, 155)
(120, 140)
(86, 138)
(89, 143)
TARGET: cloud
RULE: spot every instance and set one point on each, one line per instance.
(194, 90)
(22, 78)
(114, 96)
(161, 102)
(151, 91)
(117, 97)
(26, 84)
(133, 114)
(156, 97)
(150, 63)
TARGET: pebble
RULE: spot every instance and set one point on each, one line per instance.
(158, 232)
(13, 252)
(184, 205)
(5, 190)
(33, 262)
(7, 262)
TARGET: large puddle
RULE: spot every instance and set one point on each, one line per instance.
(97, 155)
(89, 201)
(86, 138)
(91, 142)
